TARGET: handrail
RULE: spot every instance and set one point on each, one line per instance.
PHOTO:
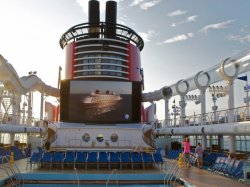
(10, 177)
(19, 173)
(171, 172)
(77, 178)
(177, 175)
(114, 171)
(12, 170)
(82, 30)
(240, 113)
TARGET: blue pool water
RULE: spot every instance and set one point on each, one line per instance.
(95, 185)
(72, 178)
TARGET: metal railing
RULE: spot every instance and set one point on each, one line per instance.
(12, 119)
(85, 30)
(218, 117)
(11, 167)
(77, 178)
(114, 171)
(171, 172)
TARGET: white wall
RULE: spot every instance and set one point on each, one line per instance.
(72, 137)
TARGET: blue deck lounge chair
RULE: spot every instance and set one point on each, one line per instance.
(136, 159)
(69, 159)
(81, 158)
(158, 159)
(229, 167)
(238, 166)
(34, 159)
(47, 159)
(92, 159)
(125, 159)
(114, 159)
(103, 159)
(58, 158)
(147, 159)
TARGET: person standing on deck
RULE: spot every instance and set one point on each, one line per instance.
(199, 155)
(186, 151)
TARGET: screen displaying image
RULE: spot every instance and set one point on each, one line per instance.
(100, 101)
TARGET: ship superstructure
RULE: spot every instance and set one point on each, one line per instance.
(103, 55)
(101, 97)
(101, 92)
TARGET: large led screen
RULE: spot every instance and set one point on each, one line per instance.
(101, 102)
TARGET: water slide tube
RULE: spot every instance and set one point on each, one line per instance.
(12, 82)
(227, 68)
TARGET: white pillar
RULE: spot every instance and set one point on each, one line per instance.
(182, 110)
(203, 106)
(12, 138)
(231, 113)
(30, 108)
(221, 141)
(167, 114)
(232, 144)
(231, 101)
(204, 141)
(41, 106)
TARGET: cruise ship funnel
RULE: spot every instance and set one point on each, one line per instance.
(94, 18)
(111, 16)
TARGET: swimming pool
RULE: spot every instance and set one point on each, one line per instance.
(95, 185)
(92, 180)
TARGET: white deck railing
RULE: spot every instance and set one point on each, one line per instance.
(219, 117)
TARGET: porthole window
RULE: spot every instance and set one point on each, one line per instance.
(86, 137)
(100, 137)
(114, 137)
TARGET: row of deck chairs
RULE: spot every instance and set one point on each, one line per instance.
(97, 160)
(173, 154)
(228, 167)
(210, 158)
(17, 152)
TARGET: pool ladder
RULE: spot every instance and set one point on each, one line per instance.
(172, 173)
(114, 171)
(7, 166)
(77, 178)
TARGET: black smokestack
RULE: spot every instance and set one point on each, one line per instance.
(111, 15)
(94, 18)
